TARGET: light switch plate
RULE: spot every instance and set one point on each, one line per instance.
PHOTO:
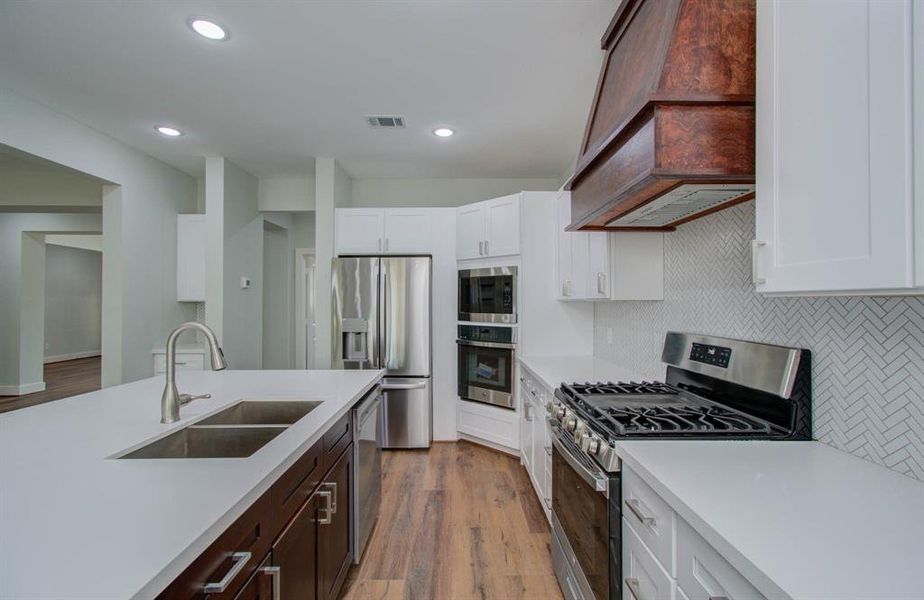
(245, 283)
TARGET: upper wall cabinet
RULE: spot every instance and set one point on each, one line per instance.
(840, 206)
(190, 258)
(489, 228)
(599, 265)
(384, 231)
(670, 134)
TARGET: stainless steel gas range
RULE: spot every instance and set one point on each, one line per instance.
(715, 388)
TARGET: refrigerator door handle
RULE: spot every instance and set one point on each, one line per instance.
(404, 386)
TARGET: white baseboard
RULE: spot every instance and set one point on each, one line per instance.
(22, 390)
(72, 356)
(500, 447)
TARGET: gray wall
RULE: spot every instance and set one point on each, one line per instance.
(868, 352)
(243, 257)
(73, 300)
(440, 192)
(140, 208)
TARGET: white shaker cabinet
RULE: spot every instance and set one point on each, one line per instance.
(408, 230)
(502, 226)
(190, 258)
(384, 230)
(360, 230)
(470, 231)
(607, 266)
(489, 228)
(839, 202)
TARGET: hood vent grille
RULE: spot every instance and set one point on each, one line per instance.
(385, 121)
(681, 204)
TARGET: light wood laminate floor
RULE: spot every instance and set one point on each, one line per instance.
(62, 380)
(459, 521)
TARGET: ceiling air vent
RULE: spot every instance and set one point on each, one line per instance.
(385, 121)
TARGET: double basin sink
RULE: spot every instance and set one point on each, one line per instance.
(235, 432)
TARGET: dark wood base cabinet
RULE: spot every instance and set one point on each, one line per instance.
(294, 543)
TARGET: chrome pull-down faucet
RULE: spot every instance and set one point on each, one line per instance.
(172, 399)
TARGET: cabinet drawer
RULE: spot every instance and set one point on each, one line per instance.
(651, 517)
(704, 574)
(295, 486)
(233, 557)
(643, 577)
(335, 440)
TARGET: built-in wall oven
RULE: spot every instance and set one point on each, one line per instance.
(488, 295)
(486, 361)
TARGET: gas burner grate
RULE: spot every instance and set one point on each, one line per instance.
(654, 420)
(631, 388)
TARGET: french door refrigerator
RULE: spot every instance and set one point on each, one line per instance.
(381, 320)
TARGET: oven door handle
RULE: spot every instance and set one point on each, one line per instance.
(597, 479)
(486, 344)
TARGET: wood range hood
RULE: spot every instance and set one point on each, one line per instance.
(670, 136)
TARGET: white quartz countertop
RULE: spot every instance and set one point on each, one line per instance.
(553, 370)
(798, 519)
(75, 523)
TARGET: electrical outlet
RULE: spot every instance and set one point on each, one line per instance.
(47, 345)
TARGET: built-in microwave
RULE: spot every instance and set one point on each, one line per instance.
(488, 295)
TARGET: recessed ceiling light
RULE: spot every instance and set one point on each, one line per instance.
(208, 29)
(443, 132)
(168, 131)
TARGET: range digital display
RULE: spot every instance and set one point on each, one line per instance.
(717, 356)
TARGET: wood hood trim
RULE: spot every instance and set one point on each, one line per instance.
(695, 55)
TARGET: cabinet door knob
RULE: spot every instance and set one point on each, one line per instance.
(601, 283)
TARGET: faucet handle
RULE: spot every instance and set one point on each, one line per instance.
(187, 398)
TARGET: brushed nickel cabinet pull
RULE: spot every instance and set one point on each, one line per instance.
(636, 509)
(328, 510)
(240, 560)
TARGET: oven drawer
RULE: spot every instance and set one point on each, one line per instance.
(704, 574)
(651, 517)
(643, 578)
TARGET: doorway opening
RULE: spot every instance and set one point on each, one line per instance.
(305, 321)
(277, 337)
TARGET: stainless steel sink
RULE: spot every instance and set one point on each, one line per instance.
(209, 442)
(262, 412)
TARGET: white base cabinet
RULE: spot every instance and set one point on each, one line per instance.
(840, 179)
(535, 442)
(607, 266)
(483, 422)
(665, 558)
(383, 231)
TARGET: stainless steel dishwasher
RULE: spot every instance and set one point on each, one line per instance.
(367, 476)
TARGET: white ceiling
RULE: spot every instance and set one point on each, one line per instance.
(515, 78)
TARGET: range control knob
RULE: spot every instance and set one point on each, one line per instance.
(570, 424)
(593, 446)
(579, 436)
(558, 412)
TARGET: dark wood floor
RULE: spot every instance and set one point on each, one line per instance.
(62, 380)
(457, 522)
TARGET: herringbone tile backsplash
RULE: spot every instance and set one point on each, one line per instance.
(868, 352)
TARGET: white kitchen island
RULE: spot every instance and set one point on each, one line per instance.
(77, 523)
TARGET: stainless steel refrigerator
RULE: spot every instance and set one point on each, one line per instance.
(381, 320)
